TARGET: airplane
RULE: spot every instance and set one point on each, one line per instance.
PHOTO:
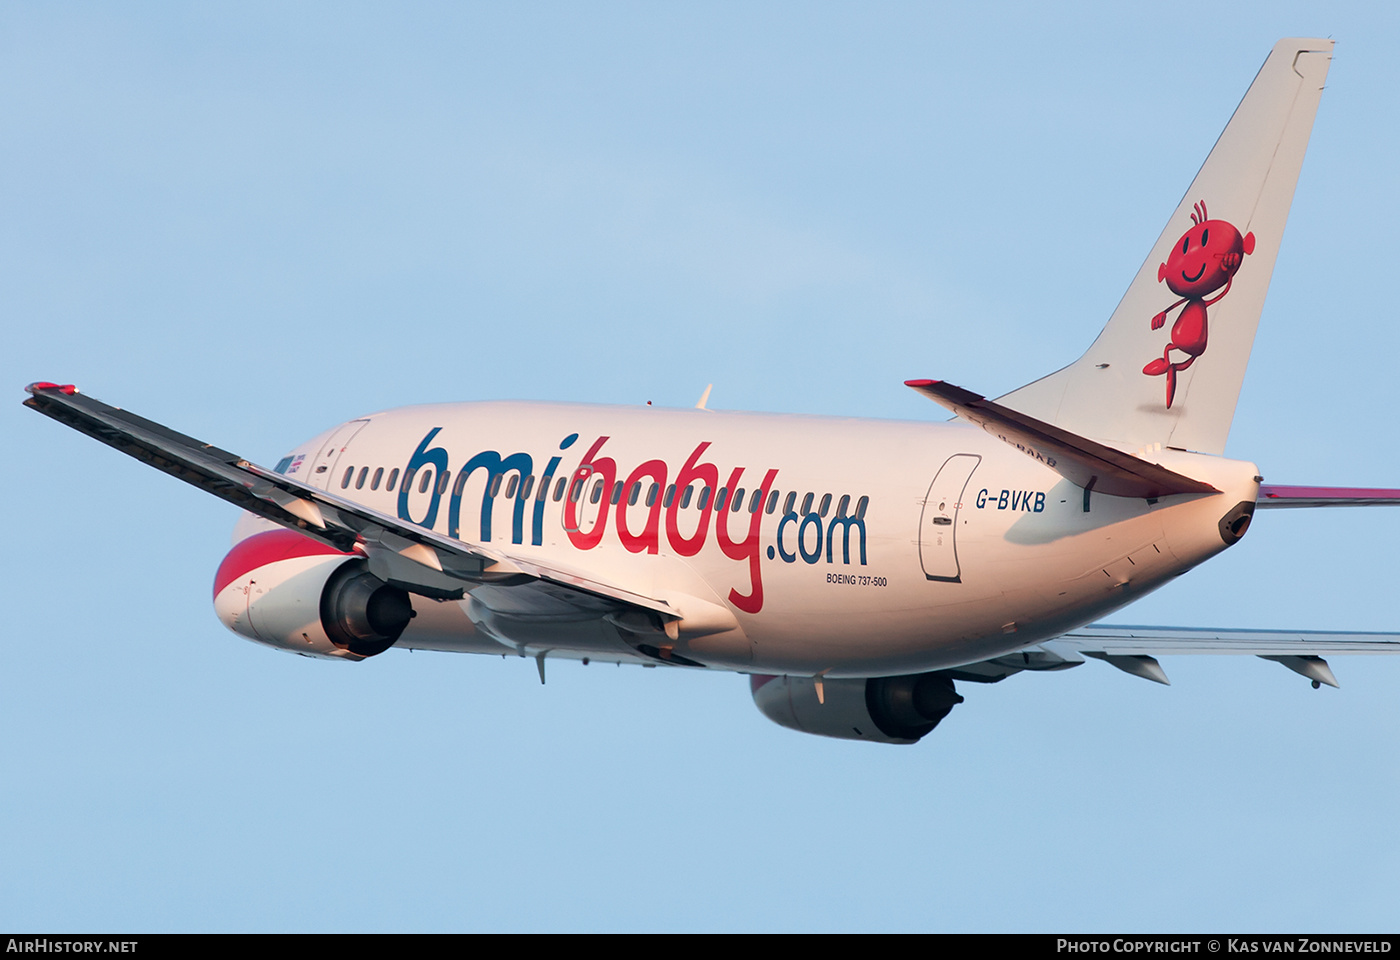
(857, 571)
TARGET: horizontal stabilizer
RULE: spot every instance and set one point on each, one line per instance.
(1277, 497)
(1082, 461)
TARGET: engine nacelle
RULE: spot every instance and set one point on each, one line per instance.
(882, 709)
(291, 592)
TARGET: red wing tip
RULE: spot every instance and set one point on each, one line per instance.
(67, 388)
(922, 383)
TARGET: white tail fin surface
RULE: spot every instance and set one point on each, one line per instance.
(1168, 366)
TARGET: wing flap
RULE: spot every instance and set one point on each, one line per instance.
(1299, 650)
(1134, 650)
(1159, 641)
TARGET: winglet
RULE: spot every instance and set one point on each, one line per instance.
(1082, 461)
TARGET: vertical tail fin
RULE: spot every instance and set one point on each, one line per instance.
(1168, 366)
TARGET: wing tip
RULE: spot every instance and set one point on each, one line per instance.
(45, 385)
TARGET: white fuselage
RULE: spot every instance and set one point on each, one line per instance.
(859, 548)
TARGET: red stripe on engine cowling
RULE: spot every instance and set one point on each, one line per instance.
(264, 548)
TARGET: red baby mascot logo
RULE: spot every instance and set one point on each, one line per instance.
(1206, 259)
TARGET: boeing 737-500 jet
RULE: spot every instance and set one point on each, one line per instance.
(857, 571)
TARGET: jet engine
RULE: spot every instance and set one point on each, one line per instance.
(882, 709)
(291, 592)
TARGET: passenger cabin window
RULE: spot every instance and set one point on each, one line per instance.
(685, 497)
(790, 502)
(843, 506)
(720, 498)
(597, 492)
(443, 479)
(408, 478)
(670, 497)
(652, 492)
(861, 504)
(527, 486)
(826, 504)
(345, 480)
(378, 476)
(704, 498)
(807, 503)
(757, 501)
(423, 483)
(360, 480)
(616, 493)
(559, 490)
(511, 485)
(772, 502)
(634, 494)
(737, 503)
(393, 477)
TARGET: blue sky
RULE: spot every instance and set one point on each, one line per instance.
(252, 222)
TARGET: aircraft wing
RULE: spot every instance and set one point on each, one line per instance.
(1134, 650)
(405, 554)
